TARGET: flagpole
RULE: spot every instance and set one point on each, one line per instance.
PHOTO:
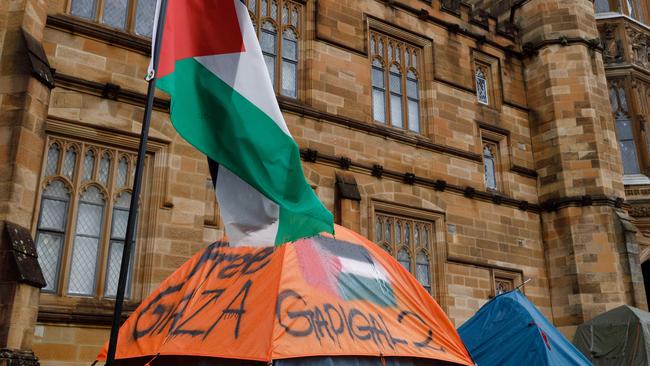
(137, 185)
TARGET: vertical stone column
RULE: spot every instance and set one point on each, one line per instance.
(577, 159)
(23, 110)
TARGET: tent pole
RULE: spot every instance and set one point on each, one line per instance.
(135, 195)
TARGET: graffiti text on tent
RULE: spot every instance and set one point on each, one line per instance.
(165, 313)
(330, 321)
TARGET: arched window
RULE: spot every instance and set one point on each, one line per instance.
(378, 92)
(84, 175)
(89, 165)
(279, 36)
(289, 63)
(122, 172)
(116, 245)
(489, 163)
(391, 104)
(400, 236)
(69, 162)
(404, 258)
(50, 233)
(624, 128)
(104, 168)
(423, 270)
(85, 252)
(481, 86)
(395, 87)
(52, 163)
(268, 41)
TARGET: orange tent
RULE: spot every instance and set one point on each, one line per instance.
(316, 299)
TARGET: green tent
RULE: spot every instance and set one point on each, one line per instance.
(618, 337)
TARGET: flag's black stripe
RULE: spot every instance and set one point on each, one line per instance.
(214, 168)
(345, 249)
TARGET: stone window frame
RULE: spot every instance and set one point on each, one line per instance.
(497, 276)
(624, 109)
(423, 70)
(501, 143)
(491, 68)
(155, 194)
(631, 8)
(287, 20)
(437, 248)
(130, 19)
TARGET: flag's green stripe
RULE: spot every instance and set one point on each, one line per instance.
(231, 130)
(353, 287)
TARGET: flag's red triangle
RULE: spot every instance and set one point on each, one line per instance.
(198, 28)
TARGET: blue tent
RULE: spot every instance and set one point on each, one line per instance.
(510, 331)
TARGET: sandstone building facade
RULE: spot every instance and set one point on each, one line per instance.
(483, 144)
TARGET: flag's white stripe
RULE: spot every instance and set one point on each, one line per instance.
(249, 218)
(363, 269)
(154, 34)
(246, 72)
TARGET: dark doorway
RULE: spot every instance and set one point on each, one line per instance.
(645, 267)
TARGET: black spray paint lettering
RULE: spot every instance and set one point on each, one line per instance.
(328, 321)
(167, 316)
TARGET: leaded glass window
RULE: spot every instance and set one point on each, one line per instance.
(89, 165)
(52, 162)
(116, 245)
(50, 233)
(90, 215)
(482, 87)
(601, 6)
(268, 41)
(84, 8)
(395, 86)
(378, 92)
(401, 236)
(289, 63)
(624, 128)
(69, 162)
(144, 17)
(423, 270)
(93, 236)
(135, 16)
(279, 35)
(490, 164)
(404, 258)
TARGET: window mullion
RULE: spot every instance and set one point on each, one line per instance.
(104, 242)
(99, 12)
(68, 242)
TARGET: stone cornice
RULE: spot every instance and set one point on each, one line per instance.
(52, 314)
(531, 49)
(378, 171)
(95, 30)
(117, 93)
(555, 204)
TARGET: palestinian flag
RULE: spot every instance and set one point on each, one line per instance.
(223, 103)
(344, 270)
